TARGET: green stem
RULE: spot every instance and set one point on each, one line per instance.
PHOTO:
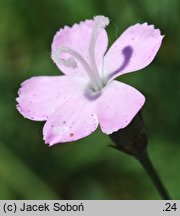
(133, 141)
(150, 170)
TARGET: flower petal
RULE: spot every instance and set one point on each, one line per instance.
(40, 96)
(77, 38)
(132, 51)
(117, 106)
(73, 120)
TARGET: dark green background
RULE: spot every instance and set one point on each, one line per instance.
(86, 169)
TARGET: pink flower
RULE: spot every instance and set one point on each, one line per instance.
(86, 95)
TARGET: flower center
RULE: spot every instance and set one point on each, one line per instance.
(91, 68)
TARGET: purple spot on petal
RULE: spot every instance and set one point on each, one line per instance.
(71, 134)
(127, 53)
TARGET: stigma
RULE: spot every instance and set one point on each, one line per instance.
(99, 22)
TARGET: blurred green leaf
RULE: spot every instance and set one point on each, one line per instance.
(24, 181)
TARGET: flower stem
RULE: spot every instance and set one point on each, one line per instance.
(133, 141)
(150, 170)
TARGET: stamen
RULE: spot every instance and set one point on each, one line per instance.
(99, 22)
(70, 62)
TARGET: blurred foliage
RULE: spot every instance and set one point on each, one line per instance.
(89, 168)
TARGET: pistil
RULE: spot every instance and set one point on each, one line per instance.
(70, 62)
(99, 23)
(91, 69)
